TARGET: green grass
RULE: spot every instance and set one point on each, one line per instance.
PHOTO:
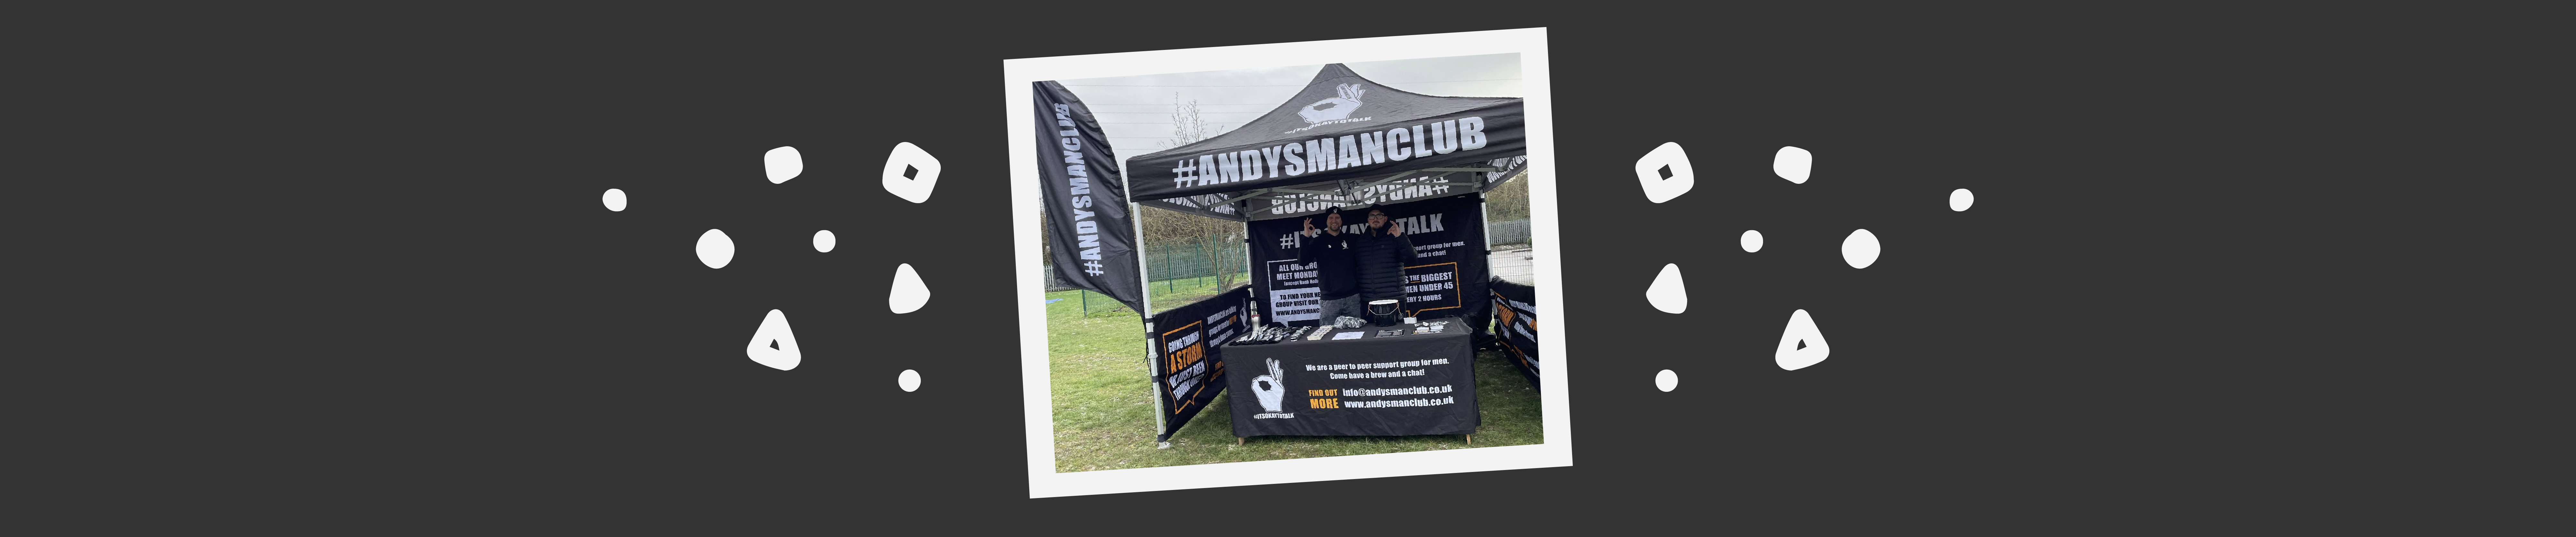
(1104, 406)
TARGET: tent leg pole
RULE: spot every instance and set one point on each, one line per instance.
(1145, 288)
(1247, 259)
(1137, 219)
(1485, 213)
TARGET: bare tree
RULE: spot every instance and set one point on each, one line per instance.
(1510, 201)
(1206, 236)
(1187, 126)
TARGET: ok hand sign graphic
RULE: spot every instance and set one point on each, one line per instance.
(1332, 108)
(1266, 387)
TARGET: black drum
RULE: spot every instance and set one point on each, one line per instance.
(1382, 312)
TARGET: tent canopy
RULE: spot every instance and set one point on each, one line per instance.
(1343, 140)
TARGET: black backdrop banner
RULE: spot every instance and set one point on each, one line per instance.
(1516, 325)
(1089, 235)
(1446, 277)
(1187, 373)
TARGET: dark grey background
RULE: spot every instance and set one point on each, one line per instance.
(328, 268)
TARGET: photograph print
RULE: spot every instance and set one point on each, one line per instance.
(1329, 260)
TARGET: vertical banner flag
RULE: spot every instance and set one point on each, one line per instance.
(1089, 235)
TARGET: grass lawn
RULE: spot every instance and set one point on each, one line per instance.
(1104, 406)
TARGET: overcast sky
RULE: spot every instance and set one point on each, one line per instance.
(1137, 110)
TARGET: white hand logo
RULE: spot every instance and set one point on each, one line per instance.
(1266, 387)
(1332, 108)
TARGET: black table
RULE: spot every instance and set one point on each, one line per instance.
(1372, 386)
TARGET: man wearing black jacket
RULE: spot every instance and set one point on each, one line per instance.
(1330, 250)
(1379, 254)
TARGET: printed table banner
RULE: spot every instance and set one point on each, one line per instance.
(1187, 374)
(1516, 325)
(1371, 385)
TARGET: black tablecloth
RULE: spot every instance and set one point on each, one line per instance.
(1372, 386)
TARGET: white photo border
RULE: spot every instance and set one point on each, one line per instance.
(1044, 481)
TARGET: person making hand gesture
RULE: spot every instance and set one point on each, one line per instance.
(1329, 248)
(1379, 255)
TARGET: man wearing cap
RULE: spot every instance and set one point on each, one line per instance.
(1330, 250)
(1378, 255)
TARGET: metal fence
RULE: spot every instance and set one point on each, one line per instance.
(1167, 262)
(1508, 232)
(1184, 261)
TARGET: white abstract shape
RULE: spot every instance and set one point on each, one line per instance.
(615, 199)
(1665, 380)
(925, 177)
(908, 293)
(1801, 345)
(1666, 293)
(1860, 249)
(782, 164)
(1751, 241)
(910, 380)
(774, 344)
(1960, 199)
(824, 241)
(1650, 172)
(1793, 163)
(715, 249)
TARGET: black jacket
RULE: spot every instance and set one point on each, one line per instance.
(1336, 265)
(1380, 261)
